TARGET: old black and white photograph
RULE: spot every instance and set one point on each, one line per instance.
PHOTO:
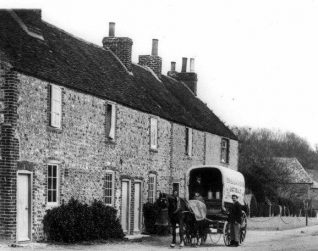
(158, 125)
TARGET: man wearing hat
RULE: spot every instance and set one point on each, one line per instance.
(235, 217)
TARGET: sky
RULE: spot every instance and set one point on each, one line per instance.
(257, 61)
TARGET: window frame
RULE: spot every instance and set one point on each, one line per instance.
(112, 188)
(189, 141)
(57, 202)
(111, 133)
(176, 183)
(225, 148)
(153, 145)
(154, 190)
(54, 90)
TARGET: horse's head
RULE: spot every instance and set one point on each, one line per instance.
(168, 201)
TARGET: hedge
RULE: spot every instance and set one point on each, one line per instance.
(76, 222)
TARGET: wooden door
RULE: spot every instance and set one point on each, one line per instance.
(137, 200)
(23, 207)
(125, 205)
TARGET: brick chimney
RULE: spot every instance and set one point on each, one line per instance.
(172, 73)
(153, 61)
(121, 46)
(189, 78)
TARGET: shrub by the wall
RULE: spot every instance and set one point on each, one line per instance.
(75, 222)
(150, 212)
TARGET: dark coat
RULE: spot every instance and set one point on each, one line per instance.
(197, 187)
(235, 213)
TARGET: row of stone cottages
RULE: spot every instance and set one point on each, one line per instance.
(81, 120)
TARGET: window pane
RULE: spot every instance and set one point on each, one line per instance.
(54, 183)
(49, 185)
(49, 171)
(107, 200)
(54, 171)
(49, 196)
(54, 196)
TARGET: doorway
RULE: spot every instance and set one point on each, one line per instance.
(137, 202)
(24, 206)
(125, 205)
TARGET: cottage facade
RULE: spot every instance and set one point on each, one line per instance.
(83, 121)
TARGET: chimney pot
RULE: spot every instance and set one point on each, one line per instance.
(154, 51)
(184, 64)
(111, 29)
(173, 66)
(191, 64)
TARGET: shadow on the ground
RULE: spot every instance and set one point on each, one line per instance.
(164, 241)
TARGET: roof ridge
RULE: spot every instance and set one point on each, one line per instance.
(92, 44)
(74, 36)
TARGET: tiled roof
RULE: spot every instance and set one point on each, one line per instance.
(297, 173)
(71, 62)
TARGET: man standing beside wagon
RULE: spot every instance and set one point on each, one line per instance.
(235, 217)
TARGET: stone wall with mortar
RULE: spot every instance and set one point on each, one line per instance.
(213, 152)
(81, 148)
(181, 162)
(82, 151)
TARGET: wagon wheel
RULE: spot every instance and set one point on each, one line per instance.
(243, 228)
(215, 237)
(226, 234)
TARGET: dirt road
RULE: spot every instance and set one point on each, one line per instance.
(295, 239)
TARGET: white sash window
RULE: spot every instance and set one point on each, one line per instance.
(152, 188)
(52, 185)
(225, 150)
(56, 106)
(110, 121)
(109, 188)
(153, 133)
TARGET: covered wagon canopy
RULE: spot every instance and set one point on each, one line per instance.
(232, 181)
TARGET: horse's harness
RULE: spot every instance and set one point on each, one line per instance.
(179, 207)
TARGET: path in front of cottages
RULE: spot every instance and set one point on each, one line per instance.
(305, 238)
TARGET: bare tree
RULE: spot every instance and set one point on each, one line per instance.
(257, 152)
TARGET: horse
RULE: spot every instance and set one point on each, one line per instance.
(180, 213)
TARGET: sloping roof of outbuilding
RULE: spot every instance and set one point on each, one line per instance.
(63, 59)
(297, 173)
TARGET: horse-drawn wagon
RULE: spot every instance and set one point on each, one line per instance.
(214, 187)
(217, 184)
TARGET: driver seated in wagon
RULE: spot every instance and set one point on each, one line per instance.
(198, 196)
